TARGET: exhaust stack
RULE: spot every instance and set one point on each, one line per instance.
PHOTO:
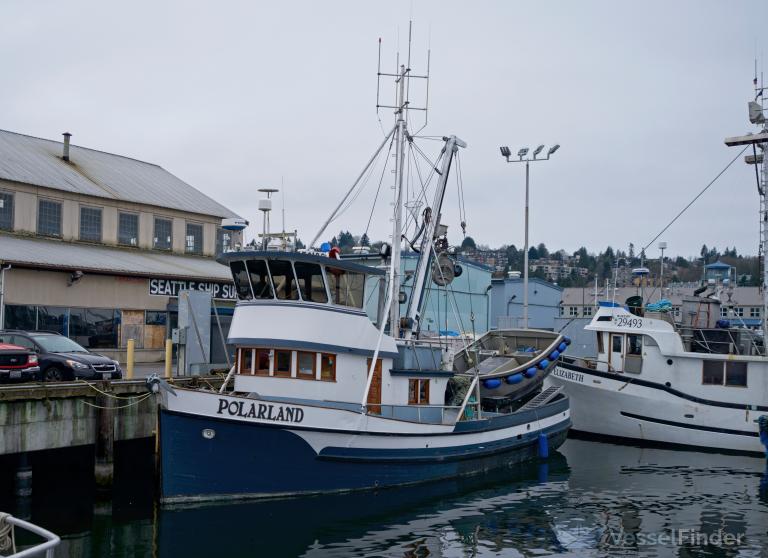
(65, 155)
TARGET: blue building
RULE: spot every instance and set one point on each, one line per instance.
(719, 272)
(454, 307)
(507, 303)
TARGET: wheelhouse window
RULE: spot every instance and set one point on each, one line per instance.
(6, 211)
(90, 224)
(616, 343)
(311, 284)
(194, 239)
(283, 363)
(418, 392)
(712, 373)
(600, 345)
(128, 229)
(283, 280)
(240, 276)
(163, 239)
(246, 361)
(262, 286)
(328, 367)
(346, 287)
(261, 366)
(635, 345)
(305, 365)
(48, 218)
(736, 374)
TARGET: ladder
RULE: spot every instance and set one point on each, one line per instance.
(542, 398)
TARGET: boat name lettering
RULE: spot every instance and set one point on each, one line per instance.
(276, 413)
(626, 321)
(568, 375)
(172, 287)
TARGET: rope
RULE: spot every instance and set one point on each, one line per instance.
(112, 395)
(7, 536)
(139, 400)
(378, 189)
(697, 197)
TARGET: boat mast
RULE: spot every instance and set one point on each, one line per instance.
(397, 222)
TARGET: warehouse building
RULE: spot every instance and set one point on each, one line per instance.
(97, 246)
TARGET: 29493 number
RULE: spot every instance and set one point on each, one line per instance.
(624, 321)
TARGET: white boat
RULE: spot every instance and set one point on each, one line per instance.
(700, 383)
(326, 398)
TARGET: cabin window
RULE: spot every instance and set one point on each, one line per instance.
(283, 363)
(246, 360)
(262, 362)
(616, 343)
(418, 392)
(305, 365)
(635, 345)
(712, 373)
(600, 344)
(262, 288)
(311, 284)
(346, 287)
(736, 374)
(283, 280)
(240, 275)
(328, 367)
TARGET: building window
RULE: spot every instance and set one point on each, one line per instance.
(194, 243)
(588, 311)
(754, 312)
(155, 317)
(723, 312)
(305, 365)
(93, 327)
(712, 373)
(223, 241)
(52, 318)
(163, 234)
(573, 310)
(6, 211)
(128, 229)
(418, 392)
(736, 374)
(738, 312)
(48, 218)
(328, 367)
(20, 316)
(90, 224)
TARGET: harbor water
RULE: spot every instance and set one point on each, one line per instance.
(588, 499)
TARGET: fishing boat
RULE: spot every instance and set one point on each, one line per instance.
(329, 396)
(701, 383)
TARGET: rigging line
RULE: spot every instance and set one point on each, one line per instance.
(378, 189)
(431, 172)
(460, 192)
(697, 197)
(364, 181)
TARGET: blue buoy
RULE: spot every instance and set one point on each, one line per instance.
(491, 383)
(562, 346)
(325, 247)
(543, 446)
(567, 340)
(554, 354)
(544, 364)
(531, 372)
(516, 378)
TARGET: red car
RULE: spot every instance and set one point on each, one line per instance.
(18, 363)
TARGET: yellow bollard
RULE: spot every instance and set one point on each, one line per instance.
(168, 357)
(129, 362)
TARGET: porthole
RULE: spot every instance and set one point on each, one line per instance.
(209, 433)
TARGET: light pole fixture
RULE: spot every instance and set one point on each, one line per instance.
(522, 158)
(662, 247)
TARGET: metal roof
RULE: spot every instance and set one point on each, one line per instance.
(718, 265)
(69, 256)
(37, 161)
(576, 296)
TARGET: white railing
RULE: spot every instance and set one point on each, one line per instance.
(7, 535)
(425, 414)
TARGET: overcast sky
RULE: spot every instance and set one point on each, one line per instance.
(233, 96)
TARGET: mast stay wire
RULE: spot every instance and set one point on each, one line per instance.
(363, 183)
(696, 198)
(378, 189)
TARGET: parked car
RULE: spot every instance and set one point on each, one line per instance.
(60, 358)
(18, 363)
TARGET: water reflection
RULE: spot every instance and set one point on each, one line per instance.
(592, 500)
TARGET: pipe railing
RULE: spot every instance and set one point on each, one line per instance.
(51, 540)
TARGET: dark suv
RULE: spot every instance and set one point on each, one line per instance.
(60, 358)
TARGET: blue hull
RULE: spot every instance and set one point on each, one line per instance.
(251, 460)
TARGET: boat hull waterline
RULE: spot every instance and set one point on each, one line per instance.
(208, 455)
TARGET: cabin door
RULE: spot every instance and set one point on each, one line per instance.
(616, 353)
(374, 394)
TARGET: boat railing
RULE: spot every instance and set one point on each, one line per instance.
(7, 538)
(726, 341)
(425, 414)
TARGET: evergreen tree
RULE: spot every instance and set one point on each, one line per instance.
(468, 243)
(364, 240)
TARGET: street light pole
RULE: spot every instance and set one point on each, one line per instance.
(506, 153)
